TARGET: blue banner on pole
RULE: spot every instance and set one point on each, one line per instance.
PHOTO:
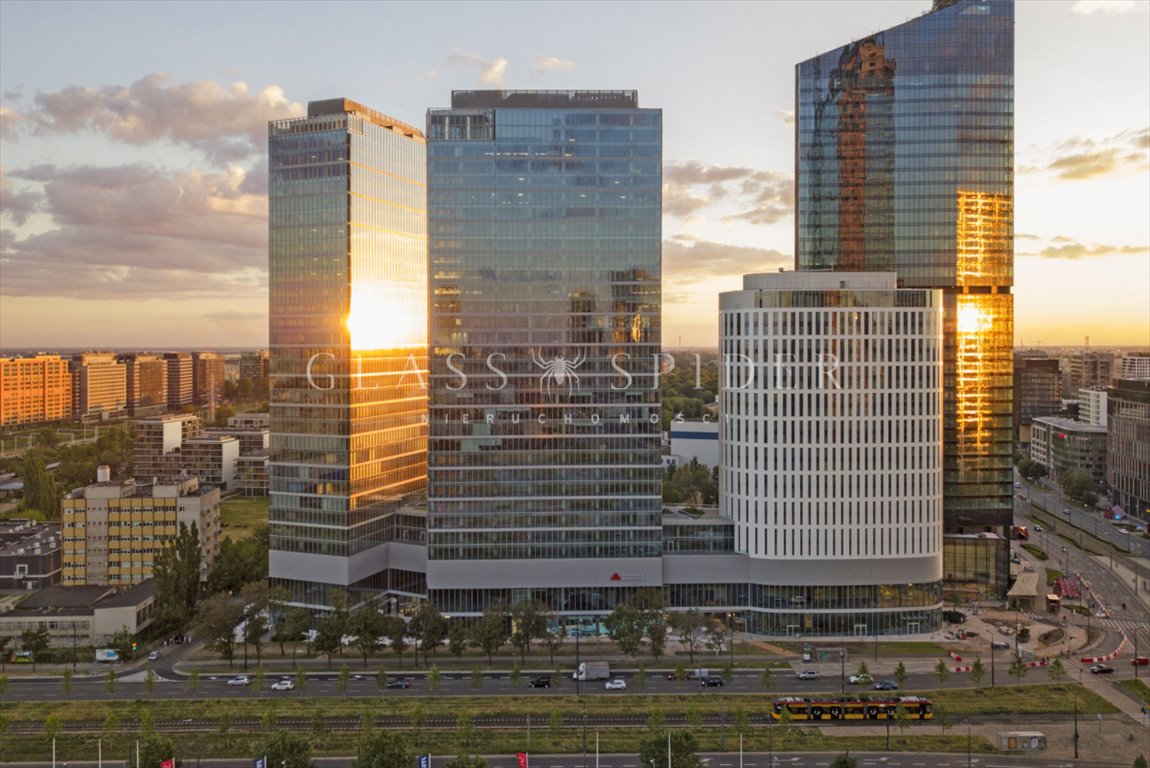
(261, 762)
(425, 761)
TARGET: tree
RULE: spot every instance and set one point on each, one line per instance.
(344, 678)
(296, 622)
(4, 642)
(156, 748)
(66, 681)
(900, 674)
(716, 636)
(219, 616)
(626, 626)
(1140, 762)
(477, 678)
(554, 636)
(52, 727)
(41, 493)
(689, 625)
(300, 677)
(36, 641)
(240, 562)
(863, 671)
(684, 749)
(150, 680)
(284, 749)
(516, 675)
(941, 671)
(768, 678)
(3, 686)
(1078, 486)
(466, 728)
(176, 569)
(901, 718)
(255, 626)
(434, 679)
(740, 722)
(367, 624)
(383, 749)
(429, 627)
(329, 633)
(844, 760)
(657, 634)
(1057, 671)
(1018, 668)
(111, 726)
(122, 642)
(395, 630)
(457, 640)
(490, 632)
(527, 624)
(466, 761)
(110, 682)
(942, 717)
(193, 681)
(977, 672)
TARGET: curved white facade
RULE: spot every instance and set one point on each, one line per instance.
(830, 435)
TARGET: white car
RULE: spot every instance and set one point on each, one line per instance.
(808, 674)
(153, 655)
(617, 684)
(240, 680)
(860, 680)
(287, 684)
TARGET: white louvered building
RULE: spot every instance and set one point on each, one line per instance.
(830, 448)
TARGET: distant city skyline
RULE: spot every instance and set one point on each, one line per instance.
(134, 190)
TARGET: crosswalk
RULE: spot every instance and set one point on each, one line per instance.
(1129, 625)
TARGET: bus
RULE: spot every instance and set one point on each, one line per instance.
(851, 708)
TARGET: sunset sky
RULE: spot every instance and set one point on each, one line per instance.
(134, 143)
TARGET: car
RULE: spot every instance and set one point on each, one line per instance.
(863, 679)
(711, 681)
(999, 645)
(1038, 529)
(809, 674)
(618, 684)
(1018, 485)
(153, 655)
(1124, 532)
(399, 682)
(240, 680)
(1101, 669)
(543, 681)
(286, 684)
(1141, 661)
(886, 685)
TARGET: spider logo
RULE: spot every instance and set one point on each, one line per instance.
(559, 370)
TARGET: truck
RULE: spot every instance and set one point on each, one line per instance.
(107, 654)
(592, 670)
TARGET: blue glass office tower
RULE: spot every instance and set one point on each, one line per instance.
(347, 262)
(544, 226)
(904, 163)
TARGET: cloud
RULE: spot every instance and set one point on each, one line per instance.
(688, 259)
(17, 204)
(552, 64)
(1088, 7)
(1080, 158)
(136, 231)
(1072, 250)
(762, 197)
(225, 123)
(10, 121)
(492, 71)
(788, 116)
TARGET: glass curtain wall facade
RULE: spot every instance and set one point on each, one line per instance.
(545, 269)
(904, 163)
(348, 291)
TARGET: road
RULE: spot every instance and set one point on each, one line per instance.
(709, 760)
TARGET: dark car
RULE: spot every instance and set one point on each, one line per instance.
(1101, 669)
(401, 682)
(1000, 645)
(886, 685)
(711, 682)
(543, 681)
(1141, 661)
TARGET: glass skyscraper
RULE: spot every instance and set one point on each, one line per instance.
(348, 305)
(905, 163)
(544, 219)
